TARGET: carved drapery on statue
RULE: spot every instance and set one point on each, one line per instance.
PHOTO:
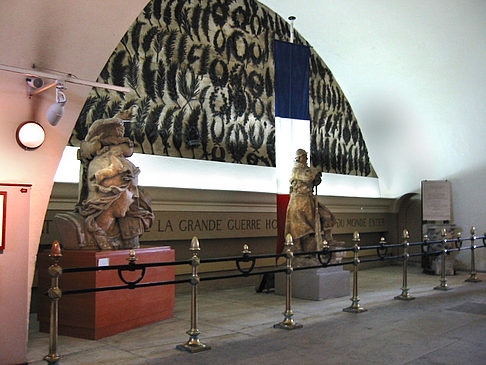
(308, 221)
(112, 212)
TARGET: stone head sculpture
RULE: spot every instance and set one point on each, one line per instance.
(111, 212)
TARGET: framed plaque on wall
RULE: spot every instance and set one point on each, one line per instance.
(436, 201)
(3, 206)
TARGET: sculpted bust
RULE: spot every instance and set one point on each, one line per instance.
(111, 212)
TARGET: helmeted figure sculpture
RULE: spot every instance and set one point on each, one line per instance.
(308, 221)
(112, 212)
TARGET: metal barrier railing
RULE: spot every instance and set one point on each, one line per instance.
(324, 256)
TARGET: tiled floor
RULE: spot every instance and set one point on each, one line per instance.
(436, 328)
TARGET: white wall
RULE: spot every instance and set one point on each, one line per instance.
(413, 72)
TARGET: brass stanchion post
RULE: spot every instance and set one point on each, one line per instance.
(355, 307)
(193, 344)
(288, 323)
(443, 279)
(405, 295)
(54, 294)
(473, 278)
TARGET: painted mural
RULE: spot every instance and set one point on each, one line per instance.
(202, 75)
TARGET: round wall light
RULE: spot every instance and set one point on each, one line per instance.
(30, 135)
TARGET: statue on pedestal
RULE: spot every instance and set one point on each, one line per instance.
(308, 221)
(112, 212)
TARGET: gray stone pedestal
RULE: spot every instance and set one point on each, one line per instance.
(449, 265)
(316, 284)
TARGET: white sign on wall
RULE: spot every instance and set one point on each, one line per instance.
(436, 200)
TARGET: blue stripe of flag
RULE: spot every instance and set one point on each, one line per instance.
(291, 80)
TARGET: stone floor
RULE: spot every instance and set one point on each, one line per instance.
(438, 327)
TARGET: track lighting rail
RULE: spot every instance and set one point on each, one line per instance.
(62, 78)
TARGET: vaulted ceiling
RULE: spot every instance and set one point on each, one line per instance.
(411, 70)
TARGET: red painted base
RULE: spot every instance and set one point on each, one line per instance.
(101, 314)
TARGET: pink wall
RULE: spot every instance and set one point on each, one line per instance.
(74, 37)
(14, 283)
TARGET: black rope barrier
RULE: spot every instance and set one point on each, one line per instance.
(252, 258)
(118, 287)
(374, 247)
(124, 267)
(246, 263)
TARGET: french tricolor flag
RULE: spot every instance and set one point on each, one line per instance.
(292, 119)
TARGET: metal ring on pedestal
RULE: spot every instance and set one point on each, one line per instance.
(131, 284)
(245, 259)
(458, 241)
(325, 253)
(382, 250)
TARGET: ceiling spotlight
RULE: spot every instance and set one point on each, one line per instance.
(30, 135)
(56, 110)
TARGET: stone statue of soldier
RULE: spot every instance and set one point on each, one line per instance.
(308, 221)
(112, 212)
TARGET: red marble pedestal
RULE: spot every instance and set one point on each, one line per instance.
(101, 314)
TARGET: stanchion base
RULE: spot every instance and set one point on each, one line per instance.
(473, 280)
(355, 309)
(193, 347)
(404, 297)
(52, 358)
(288, 326)
(440, 287)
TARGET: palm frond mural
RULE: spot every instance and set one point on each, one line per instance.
(202, 75)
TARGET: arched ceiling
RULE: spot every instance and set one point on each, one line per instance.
(412, 70)
(202, 75)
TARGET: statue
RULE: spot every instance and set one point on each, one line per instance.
(308, 221)
(111, 212)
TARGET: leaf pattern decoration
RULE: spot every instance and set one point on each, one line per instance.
(257, 136)
(177, 131)
(152, 125)
(157, 9)
(204, 61)
(81, 128)
(132, 75)
(204, 135)
(165, 130)
(217, 130)
(220, 12)
(160, 81)
(113, 108)
(181, 49)
(99, 107)
(172, 83)
(192, 137)
(168, 12)
(188, 85)
(119, 69)
(195, 18)
(140, 120)
(148, 77)
(218, 72)
(237, 142)
(170, 45)
(208, 65)
(148, 38)
(135, 35)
